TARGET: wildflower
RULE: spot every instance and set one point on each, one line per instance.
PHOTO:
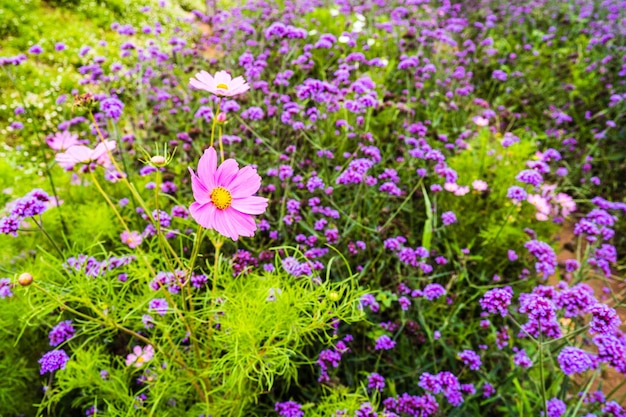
(573, 360)
(53, 361)
(62, 141)
(289, 409)
(224, 196)
(159, 305)
(9, 225)
(139, 356)
(375, 382)
(384, 342)
(604, 319)
(521, 359)
(5, 288)
(448, 218)
(132, 239)
(434, 291)
(112, 108)
(471, 359)
(516, 193)
(61, 332)
(222, 84)
(81, 154)
(555, 407)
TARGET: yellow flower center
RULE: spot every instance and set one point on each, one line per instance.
(222, 86)
(221, 197)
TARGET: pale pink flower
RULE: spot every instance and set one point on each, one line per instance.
(541, 204)
(132, 239)
(220, 85)
(81, 154)
(140, 356)
(567, 203)
(224, 196)
(479, 185)
(480, 121)
(462, 190)
(451, 187)
(62, 141)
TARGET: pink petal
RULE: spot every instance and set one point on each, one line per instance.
(226, 172)
(204, 214)
(250, 205)
(223, 226)
(101, 149)
(207, 168)
(246, 183)
(243, 223)
(203, 81)
(199, 85)
(200, 193)
(222, 77)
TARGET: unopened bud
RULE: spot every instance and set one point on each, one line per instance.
(334, 296)
(158, 160)
(220, 118)
(25, 279)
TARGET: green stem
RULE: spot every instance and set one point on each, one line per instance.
(40, 226)
(541, 376)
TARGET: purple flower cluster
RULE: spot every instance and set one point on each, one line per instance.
(32, 204)
(61, 333)
(546, 258)
(289, 409)
(444, 382)
(497, 300)
(53, 361)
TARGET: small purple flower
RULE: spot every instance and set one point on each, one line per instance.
(158, 305)
(517, 193)
(53, 361)
(35, 50)
(521, 359)
(434, 291)
(5, 288)
(112, 108)
(604, 319)
(289, 409)
(555, 407)
(61, 332)
(375, 382)
(471, 359)
(9, 225)
(499, 75)
(448, 218)
(384, 342)
(530, 176)
(497, 300)
(573, 360)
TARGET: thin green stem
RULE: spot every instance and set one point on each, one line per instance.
(56, 247)
(541, 374)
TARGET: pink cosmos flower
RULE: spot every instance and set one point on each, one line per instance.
(220, 85)
(81, 154)
(224, 196)
(62, 141)
(132, 239)
(140, 356)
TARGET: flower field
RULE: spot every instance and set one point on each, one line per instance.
(368, 208)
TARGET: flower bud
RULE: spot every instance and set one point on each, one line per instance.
(25, 279)
(158, 160)
(220, 118)
(334, 296)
